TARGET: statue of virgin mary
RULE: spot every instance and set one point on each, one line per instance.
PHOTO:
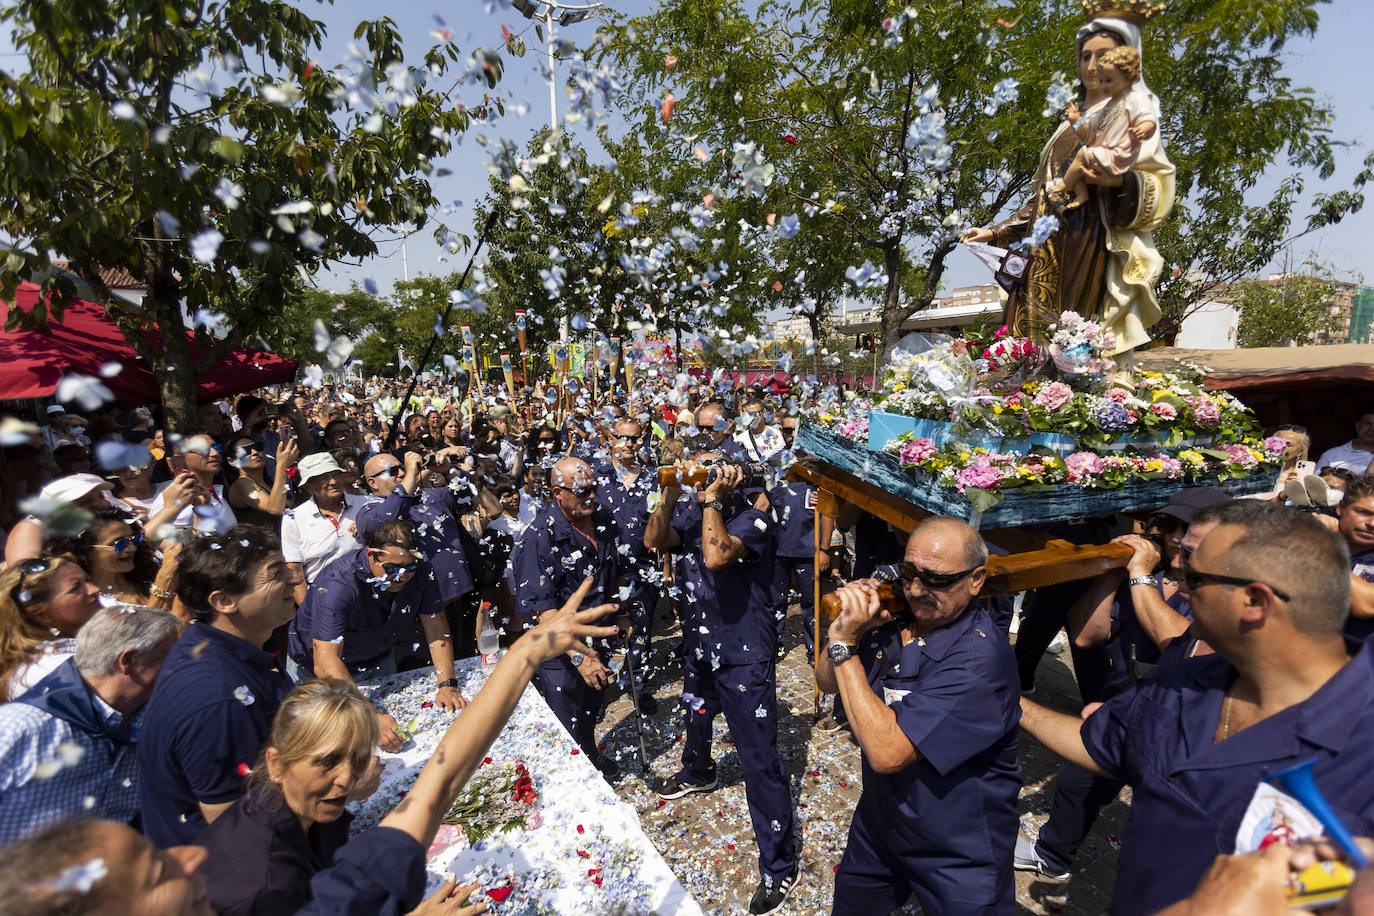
(1102, 262)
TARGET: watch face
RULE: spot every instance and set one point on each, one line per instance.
(839, 652)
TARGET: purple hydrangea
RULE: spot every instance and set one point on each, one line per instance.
(1109, 415)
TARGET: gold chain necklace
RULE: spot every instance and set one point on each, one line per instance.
(1226, 717)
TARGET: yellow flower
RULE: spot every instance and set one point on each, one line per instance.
(1191, 457)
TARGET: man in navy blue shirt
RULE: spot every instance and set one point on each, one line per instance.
(1269, 591)
(360, 607)
(931, 695)
(729, 657)
(715, 421)
(794, 507)
(571, 540)
(1356, 521)
(623, 487)
(217, 692)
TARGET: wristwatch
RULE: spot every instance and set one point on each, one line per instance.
(577, 659)
(451, 682)
(714, 504)
(840, 652)
(1143, 580)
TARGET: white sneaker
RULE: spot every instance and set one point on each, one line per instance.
(1058, 644)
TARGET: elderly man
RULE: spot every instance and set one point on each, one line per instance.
(359, 609)
(1269, 590)
(729, 657)
(715, 421)
(931, 695)
(569, 541)
(213, 514)
(325, 526)
(218, 690)
(67, 745)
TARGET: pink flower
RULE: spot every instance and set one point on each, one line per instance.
(980, 475)
(1274, 446)
(916, 451)
(1205, 410)
(1083, 464)
(1240, 455)
(1164, 411)
(1014, 399)
(1120, 395)
(1054, 396)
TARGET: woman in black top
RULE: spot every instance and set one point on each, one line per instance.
(265, 849)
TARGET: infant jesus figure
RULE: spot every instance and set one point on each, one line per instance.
(1112, 135)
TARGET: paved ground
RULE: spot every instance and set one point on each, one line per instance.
(708, 841)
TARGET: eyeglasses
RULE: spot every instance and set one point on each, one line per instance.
(389, 471)
(30, 567)
(1195, 579)
(579, 492)
(398, 569)
(910, 571)
(124, 543)
(204, 450)
(621, 437)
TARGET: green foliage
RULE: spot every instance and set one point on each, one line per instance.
(137, 127)
(830, 90)
(1292, 310)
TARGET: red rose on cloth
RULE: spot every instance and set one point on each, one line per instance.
(499, 894)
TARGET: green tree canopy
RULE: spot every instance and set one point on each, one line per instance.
(203, 147)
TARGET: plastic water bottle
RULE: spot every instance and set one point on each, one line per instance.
(488, 642)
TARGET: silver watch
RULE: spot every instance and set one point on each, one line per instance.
(1150, 580)
(577, 659)
(840, 652)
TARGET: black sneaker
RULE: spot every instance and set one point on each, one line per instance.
(647, 704)
(608, 767)
(772, 893)
(676, 786)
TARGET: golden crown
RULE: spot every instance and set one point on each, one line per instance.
(1133, 11)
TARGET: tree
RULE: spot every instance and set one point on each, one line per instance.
(201, 147)
(349, 316)
(901, 126)
(1292, 310)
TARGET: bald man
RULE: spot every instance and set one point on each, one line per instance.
(715, 421)
(574, 538)
(932, 696)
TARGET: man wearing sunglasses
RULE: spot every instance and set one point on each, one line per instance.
(1355, 521)
(931, 696)
(1270, 591)
(362, 607)
(730, 643)
(569, 541)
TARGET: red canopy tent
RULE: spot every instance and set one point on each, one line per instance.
(32, 362)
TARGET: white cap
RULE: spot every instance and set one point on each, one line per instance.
(55, 408)
(317, 465)
(73, 487)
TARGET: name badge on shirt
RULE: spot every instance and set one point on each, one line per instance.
(891, 696)
(1273, 816)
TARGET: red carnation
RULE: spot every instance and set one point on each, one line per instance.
(499, 894)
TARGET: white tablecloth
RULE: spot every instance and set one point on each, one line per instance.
(585, 834)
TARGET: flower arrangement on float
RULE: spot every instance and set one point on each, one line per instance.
(987, 415)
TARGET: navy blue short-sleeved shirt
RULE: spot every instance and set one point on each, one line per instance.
(380, 872)
(794, 506)
(552, 558)
(436, 513)
(629, 506)
(210, 713)
(1191, 793)
(728, 614)
(346, 602)
(956, 697)
(1362, 565)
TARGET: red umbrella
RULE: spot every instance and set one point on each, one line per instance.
(32, 362)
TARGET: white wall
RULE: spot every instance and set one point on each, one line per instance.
(1211, 326)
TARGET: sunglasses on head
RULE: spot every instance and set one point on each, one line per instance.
(30, 567)
(1291, 428)
(910, 571)
(1195, 579)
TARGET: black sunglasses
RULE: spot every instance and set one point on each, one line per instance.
(30, 567)
(392, 569)
(579, 492)
(124, 543)
(390, 471)
(910, 571)
(1195, 580)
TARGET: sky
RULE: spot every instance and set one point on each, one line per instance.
(1328, 64)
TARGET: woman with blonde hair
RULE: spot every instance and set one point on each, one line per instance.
(44, 601)
(266, 847)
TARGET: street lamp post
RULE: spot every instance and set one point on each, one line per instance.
(549, 11)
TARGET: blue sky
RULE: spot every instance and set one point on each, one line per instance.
(1329, 64)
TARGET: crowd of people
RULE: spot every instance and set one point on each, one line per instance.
(185, 618)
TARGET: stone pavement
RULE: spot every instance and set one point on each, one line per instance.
(708, 841)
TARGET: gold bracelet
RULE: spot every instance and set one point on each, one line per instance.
(159, 592)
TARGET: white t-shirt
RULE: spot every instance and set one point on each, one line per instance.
(215, 517)
(310, 538)
(1346, 456)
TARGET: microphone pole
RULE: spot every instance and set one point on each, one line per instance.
(443, 326)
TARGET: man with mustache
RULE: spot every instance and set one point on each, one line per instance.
(932, 697)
